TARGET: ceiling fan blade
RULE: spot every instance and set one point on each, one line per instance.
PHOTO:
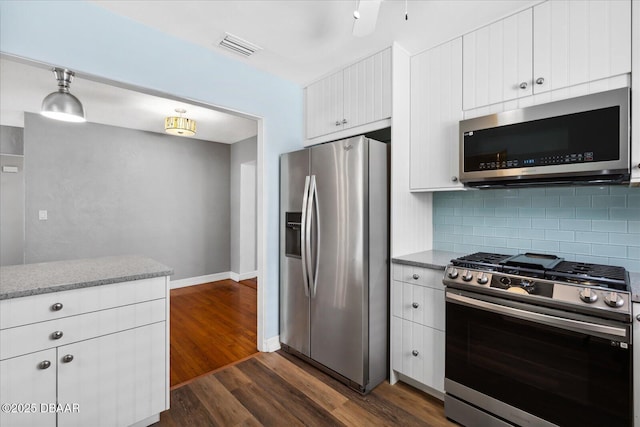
(368, 10)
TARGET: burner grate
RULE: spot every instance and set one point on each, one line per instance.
(484, 258)
(592, 270)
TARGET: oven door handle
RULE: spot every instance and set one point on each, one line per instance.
(604, 331)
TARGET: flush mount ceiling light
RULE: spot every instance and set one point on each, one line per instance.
(62, 105)
(180, 126)
(238, 45)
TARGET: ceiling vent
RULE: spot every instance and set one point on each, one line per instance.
(237, 45)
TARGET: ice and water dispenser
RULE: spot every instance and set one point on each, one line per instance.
(292, 234)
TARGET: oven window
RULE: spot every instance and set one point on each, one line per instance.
(567, 378)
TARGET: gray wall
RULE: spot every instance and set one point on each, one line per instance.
(11, 196)
(241, 152)
(112, 191)
(11, 140)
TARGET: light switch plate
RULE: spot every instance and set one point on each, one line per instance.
(42, 215)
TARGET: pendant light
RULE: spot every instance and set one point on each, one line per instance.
(62, 105)
(180, 126)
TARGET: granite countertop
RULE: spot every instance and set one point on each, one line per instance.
(41, 278)
(434, 259)
(440, 259)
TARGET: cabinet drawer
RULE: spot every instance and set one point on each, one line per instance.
(39, 336)
(418, 352)
(419, 304)
(422, 276)
(38, 308)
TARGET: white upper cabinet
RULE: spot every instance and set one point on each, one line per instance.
(498, 61)
(436, 109)
(580, 41)
(324, 105)
(357, 95)
(554, 45)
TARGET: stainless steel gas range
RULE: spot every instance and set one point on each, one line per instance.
(534, 340)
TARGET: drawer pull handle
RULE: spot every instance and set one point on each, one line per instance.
(57, 306)
(56, 335)
(415, 353)
(415, 277)
(415, 305)
(44, 364)
(67, 358)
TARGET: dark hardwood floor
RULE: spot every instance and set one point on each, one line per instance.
(212, 325)
(277, 389)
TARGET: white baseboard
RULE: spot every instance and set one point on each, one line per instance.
(190, 281)
(242, 276)
(270, 345)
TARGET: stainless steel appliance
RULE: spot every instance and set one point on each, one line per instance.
(334, 258)
(534, 340)
(577, 140)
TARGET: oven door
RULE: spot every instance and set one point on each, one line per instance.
(537, 366)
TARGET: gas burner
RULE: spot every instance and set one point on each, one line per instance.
(546, 280)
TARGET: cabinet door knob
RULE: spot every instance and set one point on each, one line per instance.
(415, 305)
(338, 123)
(415, 276)
(57, 306)
(638, 317)
(67, 358)
(454, 179)
(523, 85)
(44, 364)
(56, 335)
(415, 353)
(540, 81)
(344, 121)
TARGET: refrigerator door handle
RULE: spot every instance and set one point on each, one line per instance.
(303, 235)
(307, 238)
(314, 204)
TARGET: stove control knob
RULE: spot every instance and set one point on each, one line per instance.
(612, 299)
(483, 279)
(588, 295)
(467, 276)
(453, 273)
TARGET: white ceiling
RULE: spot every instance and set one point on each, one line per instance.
(24, 86)
(304, 39)
(301, 40)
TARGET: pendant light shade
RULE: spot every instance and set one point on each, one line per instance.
(180, 126)
(62, 105)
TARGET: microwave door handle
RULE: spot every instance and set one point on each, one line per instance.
(303, 234)
(604, 331)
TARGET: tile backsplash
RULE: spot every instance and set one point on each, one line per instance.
(588, 224)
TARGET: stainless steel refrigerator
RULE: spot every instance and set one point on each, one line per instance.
(334, 258)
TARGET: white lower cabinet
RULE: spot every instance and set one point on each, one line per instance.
(420, 356)
(98, 362)
(418, 328)
(123, 370)
(26, 381)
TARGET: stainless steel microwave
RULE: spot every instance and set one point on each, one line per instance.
(583, 140)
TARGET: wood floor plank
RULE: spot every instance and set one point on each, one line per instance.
(313, 388)
(416, 402)
(221, 405)
(306, 410)
(233, 378)
(212, 325)
(186, 409)
(276, 389)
